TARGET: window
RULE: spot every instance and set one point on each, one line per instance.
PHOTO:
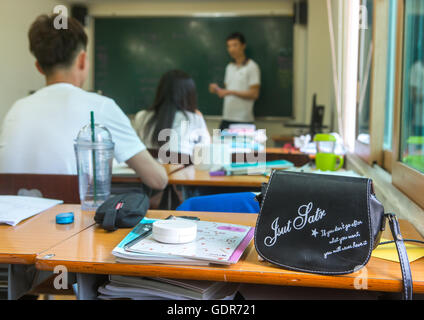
(412, 119)
(391, 54)
(408, 131)
(364, 72)
(390, 85)
(372, 78)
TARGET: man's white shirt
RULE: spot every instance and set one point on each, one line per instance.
(240, 78)
(38, 132)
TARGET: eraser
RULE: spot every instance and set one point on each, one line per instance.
(217, 173)
(174, 231)
(65, 218)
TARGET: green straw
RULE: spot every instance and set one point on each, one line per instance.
(93, 139)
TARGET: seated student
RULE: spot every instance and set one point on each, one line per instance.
(39, 130)
(175, 109)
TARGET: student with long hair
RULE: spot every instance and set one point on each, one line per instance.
(173, 121)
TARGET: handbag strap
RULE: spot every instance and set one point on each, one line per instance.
(403, 256)
(109, 220)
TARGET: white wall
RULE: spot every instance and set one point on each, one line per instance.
(318, 75)
(18, 74)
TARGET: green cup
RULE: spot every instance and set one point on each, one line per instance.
(328, 161)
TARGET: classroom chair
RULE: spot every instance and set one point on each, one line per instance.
(241, 202)
(61, 187)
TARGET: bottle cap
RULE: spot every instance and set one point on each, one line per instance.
(65, 218)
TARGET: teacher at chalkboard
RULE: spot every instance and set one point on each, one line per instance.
(242, 84)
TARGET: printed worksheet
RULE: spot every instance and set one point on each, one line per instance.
(215, 242)
(14, 209)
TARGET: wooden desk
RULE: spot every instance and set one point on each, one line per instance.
(19, 245)
(128, 175)
(22, 243)
(281, 140)
(89, 253)
(189, 176)
(295, 156)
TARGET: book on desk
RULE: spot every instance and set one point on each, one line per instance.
(220, 243)
(147, 288)
(14, 209)
(257, 168)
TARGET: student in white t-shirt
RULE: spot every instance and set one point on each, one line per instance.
(173, 122)
(39, 130)
(242, 84)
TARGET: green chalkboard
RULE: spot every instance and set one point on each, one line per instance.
(131, 54)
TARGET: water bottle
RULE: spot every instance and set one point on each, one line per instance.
(94, 155)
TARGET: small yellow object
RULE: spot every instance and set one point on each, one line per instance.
(389, 251)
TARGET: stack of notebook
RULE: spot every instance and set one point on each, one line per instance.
(244, 140)
(257, 168)
(220, 243)
(143, 288)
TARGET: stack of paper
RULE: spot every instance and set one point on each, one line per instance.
(244, 140)
(14, 209)
(143, 288)
(221, 243)
(308, 169)
(256, 168)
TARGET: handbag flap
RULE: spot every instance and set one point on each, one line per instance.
(315, 223)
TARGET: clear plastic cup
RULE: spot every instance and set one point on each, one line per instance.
(94, 165)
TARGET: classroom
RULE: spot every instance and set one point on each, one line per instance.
(212, 150)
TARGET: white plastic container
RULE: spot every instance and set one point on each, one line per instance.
(174, 231)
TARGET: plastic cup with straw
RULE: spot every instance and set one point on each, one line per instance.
(93, 140)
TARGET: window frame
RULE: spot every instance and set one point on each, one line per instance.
(373, 152)
(392, 50)
(406, 179)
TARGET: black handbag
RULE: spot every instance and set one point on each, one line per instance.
(323, 224)
(122, 211)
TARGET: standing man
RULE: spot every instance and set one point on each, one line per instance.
(242, 84)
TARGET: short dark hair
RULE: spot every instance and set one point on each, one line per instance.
(54, 47)
(237, 35)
